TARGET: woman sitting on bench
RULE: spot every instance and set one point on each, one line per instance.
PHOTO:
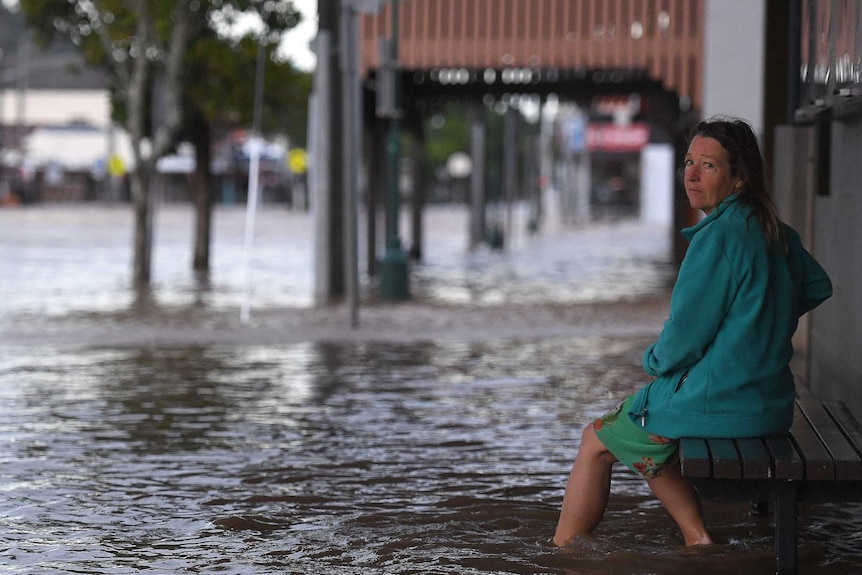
(721, 362)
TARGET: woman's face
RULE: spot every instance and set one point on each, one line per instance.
(707, 174)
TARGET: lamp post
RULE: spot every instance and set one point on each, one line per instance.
(350, 113)
(394, 283)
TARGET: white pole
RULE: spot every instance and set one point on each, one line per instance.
(250, 214)
(255, 145)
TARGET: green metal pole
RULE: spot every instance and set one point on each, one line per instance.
(394, 284)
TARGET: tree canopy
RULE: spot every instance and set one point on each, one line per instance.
(217, 71)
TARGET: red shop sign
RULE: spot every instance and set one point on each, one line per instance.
(613, 138)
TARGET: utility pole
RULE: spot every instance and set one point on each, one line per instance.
(477, 176)
(351, 115)
(394, 283)
(22, 77)
(329, 256)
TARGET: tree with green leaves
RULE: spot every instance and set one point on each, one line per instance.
(218, 99)
(149, 50)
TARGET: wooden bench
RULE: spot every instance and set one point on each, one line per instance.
(819, 460)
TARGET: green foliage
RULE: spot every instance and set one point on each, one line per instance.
(218, 78)
(446, 132)
(221, 83)
(82, 22)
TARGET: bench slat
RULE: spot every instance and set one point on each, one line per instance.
(788, 463)
(847, 463)
(756, 463)
(818, 461)
(848, 424)
(694, 457)
(725, 459)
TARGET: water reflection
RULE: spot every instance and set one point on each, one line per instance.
(623, 259)
(359, 458)
(77, 260)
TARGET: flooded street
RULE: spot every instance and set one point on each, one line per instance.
(158, 434)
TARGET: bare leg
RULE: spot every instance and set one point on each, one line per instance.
(587, 490)
(680, 499)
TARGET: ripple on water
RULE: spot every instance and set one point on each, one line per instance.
(406, 459)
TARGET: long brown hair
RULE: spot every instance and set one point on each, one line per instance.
(746, 163)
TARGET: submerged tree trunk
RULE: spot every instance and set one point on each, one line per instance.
(202, 194)
(140, 184)
(165, 118)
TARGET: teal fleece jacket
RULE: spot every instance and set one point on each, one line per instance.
(722, 359)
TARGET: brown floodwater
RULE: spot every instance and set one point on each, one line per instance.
(439, 457)
(319, 458)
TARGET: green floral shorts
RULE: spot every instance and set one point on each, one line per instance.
(639, 450)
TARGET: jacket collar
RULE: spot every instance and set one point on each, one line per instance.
(726, 203)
